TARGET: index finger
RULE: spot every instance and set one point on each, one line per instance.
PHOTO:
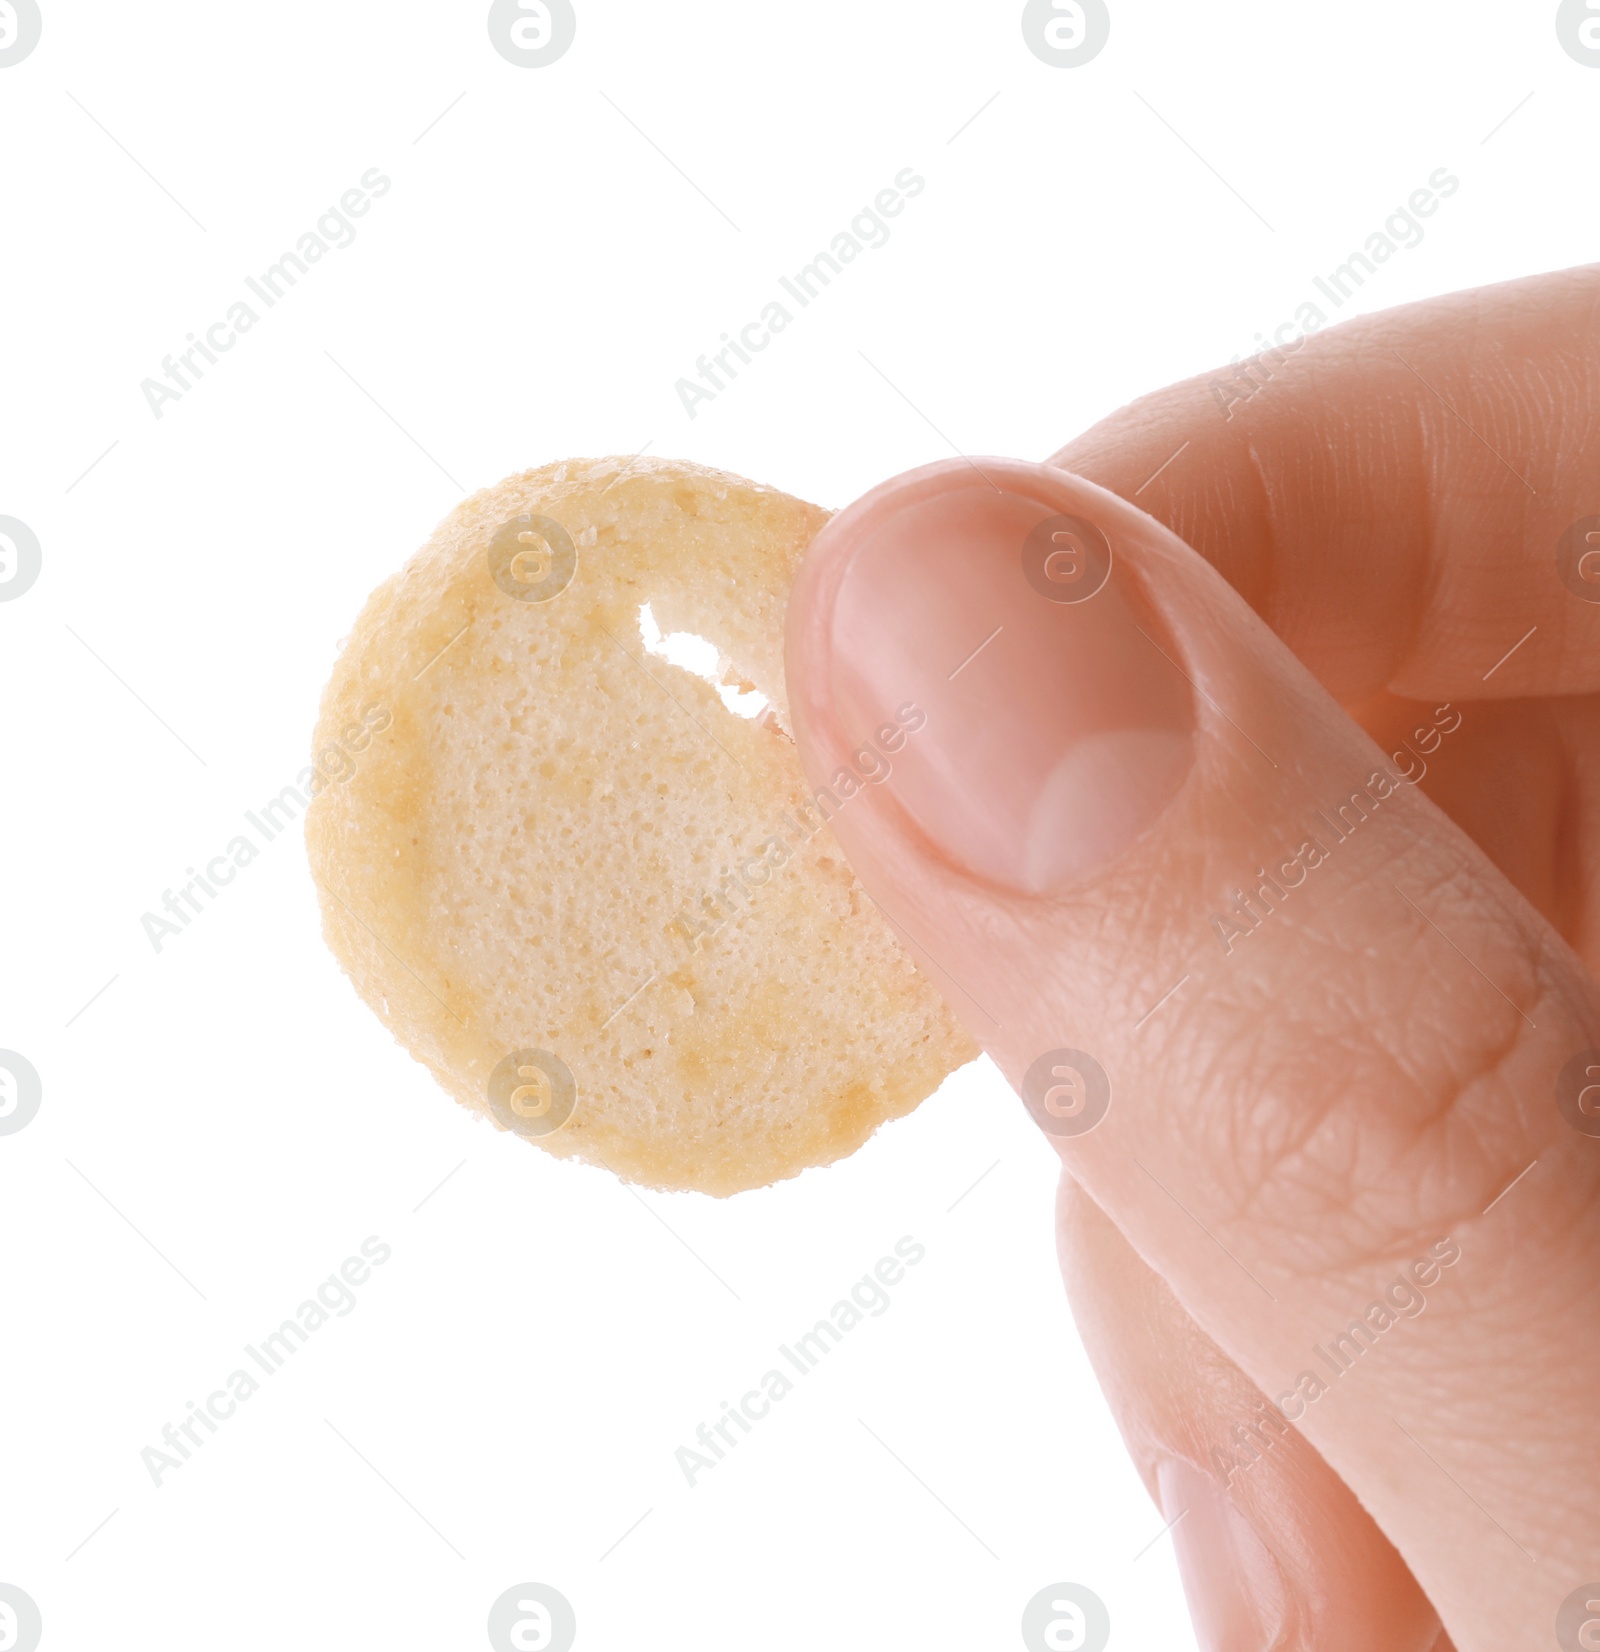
(1411, 501)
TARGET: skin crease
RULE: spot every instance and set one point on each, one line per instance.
(1389, 504)
(1522, 778)
(1173, 1390)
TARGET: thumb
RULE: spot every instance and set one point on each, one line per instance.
(1285, 1023)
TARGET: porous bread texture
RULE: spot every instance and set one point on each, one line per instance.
(511, 861)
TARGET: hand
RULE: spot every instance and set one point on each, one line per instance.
(1290, 843)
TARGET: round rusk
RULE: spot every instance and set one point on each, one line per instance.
(597, 902)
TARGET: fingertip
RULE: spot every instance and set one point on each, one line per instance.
(990, 596)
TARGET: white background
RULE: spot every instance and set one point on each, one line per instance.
(504, 1402)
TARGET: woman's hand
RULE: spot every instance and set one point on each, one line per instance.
(1268, 871)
